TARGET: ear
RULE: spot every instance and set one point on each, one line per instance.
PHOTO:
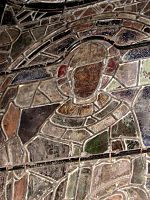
(62, 71)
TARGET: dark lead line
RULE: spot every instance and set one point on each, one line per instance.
(75, 159)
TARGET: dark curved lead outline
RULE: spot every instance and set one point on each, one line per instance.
(57, 6)
(96, 37)
(74, 45)
(77, 43)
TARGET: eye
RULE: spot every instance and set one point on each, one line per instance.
(62, 70)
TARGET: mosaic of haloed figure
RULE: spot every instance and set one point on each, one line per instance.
(93, 109)
(110, 121)
(83, 77)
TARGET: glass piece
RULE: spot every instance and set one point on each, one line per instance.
(31, 75)
(107, 110)
(4, 38)
(22, 43)
(60, 191)
(145, 72)
(103, 124)
(139, 170)
(3, 176)
(61, 46)
(113, 85)
(86, 79)
(25, 94)
(9, 191)
(14, 33)
(89, 12)
(40, 99)
(78, 135)
(11, 120)
(103, 99)
(125, 127)
(133, 24)
(15, 151)
(110, 173)
(41, 59)
(4, 84)
(20, 188)
(8, 96)
(126, 95)
(37, 187)
(84, 183)
(55, 171)
(141, 108)
(4, 161)
(117, 145)
(108, 22)
(76, 150)
(52, 130)
(139, 193)
(128, 73)
(39, 32)
(42, 149)
(73, 110)
(112, 65)
(132, 144)
(8, 17)
(128, 36)
(65, 90)
(105, 81)
(98, 144)
(32, 119)
(49, 88)
(122, 110)
(67, 121)
(88, 53)
(138, 53)
(72, 183)
(62, 70)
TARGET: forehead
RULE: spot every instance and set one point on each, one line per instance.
(88, 53)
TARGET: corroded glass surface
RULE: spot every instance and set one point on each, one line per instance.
(75, 100)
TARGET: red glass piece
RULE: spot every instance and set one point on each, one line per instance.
(62, 70)
(112, 66)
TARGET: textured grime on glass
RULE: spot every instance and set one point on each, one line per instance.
(75, 83)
